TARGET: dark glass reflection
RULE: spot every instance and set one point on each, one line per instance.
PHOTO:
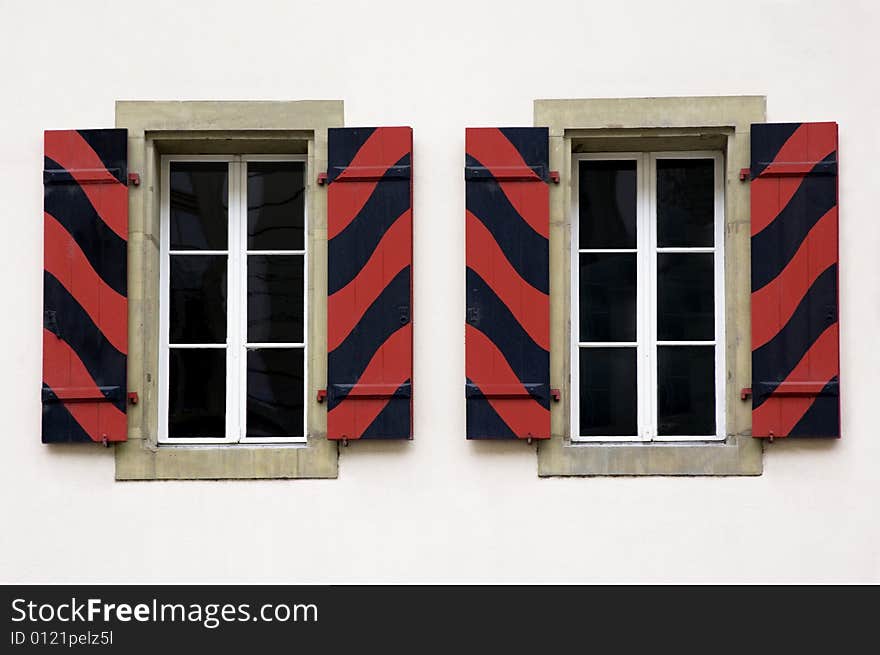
(199, 205)
(607, 204)
(275, 298)
(608, 396)
(608, 297)
(685, 297)
(197, 392)
(275, 392)
(197, 299)
(276, 205)
(686, 391)
(685, 202)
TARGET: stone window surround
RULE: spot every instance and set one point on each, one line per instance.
(653, 124)
(204, 127)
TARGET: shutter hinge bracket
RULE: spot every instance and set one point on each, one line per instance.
(556, 394)
(322, 179)
(745, 174)
(322, 395)
(132, 397)
(745, 393)
(554, 177)
(134, 179)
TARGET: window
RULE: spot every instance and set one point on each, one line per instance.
(233, 299)
(648, 307)
(665, 439)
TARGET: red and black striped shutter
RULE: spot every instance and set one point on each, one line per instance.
(795, 350)
(369, 283)
(507, 338)
(85, 314)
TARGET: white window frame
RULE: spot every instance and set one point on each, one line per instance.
(236, 315)
(646, 311)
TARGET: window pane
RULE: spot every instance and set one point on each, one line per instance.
(199, 204)
(275, 392)
(608, 297)
(608, 393)
(685, 202)
(275, 298)
(197, 307)
(197, 392)
(686, 390)
(607, 204)
(276, 205)
(685, 297)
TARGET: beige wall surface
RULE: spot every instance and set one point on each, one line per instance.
(439, 508)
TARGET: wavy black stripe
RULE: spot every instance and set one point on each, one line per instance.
(388, 313)
(69, 205)
(767, 141)
(483, 422)
(59, 426)
(349, 250)
(104, 363)
(532, 143)
(487, 313)
(111, 146)
(526, 250)
(822, 419)
(393, 422)
(774, 246)
(817, 311)
(343, 144)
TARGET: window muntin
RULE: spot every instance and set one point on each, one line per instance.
(233, 310)
(647, 297)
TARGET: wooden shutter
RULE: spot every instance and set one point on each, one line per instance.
(507, 333)
(85, 314)
(795, 351)
(369, 283)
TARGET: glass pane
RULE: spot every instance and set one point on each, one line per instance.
(199, 205)
(607, 204)
(686, 391)
(685, 202)
(276, 205)
(197, 299)
(608, 297)
(608, 392)
(275, 298)
(197, 392)
(685, 297)
(275, 392)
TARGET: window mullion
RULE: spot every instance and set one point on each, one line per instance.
(232, 304)
(241, 346)
(650, 258)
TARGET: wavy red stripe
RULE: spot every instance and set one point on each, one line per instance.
(530, 197)
(385, 147)
(346, 307)
(777, 301)
(108, 196)
(64, 259)
(62, 371)
(530, 307)
(486, 366)
(809, 144)
(390, 365)
(779, 414)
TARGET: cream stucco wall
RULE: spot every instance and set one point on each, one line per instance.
(439, 508)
